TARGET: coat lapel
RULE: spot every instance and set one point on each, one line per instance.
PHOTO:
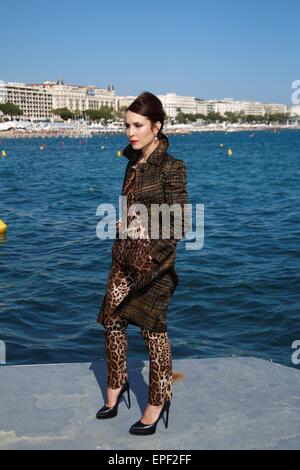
(155, 157)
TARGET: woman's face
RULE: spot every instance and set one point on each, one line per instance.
(139, 130)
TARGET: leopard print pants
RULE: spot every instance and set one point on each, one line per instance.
(159, 348)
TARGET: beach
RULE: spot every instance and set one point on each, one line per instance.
(90, 132)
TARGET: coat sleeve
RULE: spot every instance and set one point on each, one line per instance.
(123, 185)
(175, 187)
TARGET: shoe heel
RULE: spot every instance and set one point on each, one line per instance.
(128, 397)
(167, 414)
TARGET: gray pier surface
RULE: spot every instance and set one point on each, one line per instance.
(222, 403)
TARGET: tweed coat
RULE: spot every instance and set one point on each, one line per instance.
(162, 179)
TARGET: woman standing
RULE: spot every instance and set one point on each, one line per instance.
(143, 278)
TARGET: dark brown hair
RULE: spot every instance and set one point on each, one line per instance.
(150, 106)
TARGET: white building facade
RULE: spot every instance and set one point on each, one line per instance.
(232, 106)
(2, 92)
(124, 101)
(206, 106)
(34, 102)
(295, 110)
(37, 101)
(79, 97)
(274, 108)
(171, 103)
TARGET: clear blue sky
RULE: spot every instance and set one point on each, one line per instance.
(210, 49)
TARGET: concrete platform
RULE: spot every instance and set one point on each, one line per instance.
(225, 403)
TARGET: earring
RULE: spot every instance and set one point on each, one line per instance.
(155, 138)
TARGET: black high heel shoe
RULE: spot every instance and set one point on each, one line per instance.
(107, 412)
(145, 429)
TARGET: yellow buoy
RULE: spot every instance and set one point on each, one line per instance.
(3, 153)
(3, 227)
(119, 153)
(229, 152)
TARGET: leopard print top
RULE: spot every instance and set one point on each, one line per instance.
(132, 251)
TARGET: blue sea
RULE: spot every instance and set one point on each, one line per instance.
(239, 295)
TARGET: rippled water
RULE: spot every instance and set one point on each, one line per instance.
(238, 295)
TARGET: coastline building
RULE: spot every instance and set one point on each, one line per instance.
(205, 106)
(35, 103)
(79, 97)
(295, 110)
(234, 106)
(171, 103)
(294, 118)
(2, 92)
(123, 102)
(231, 106)
(274, 108)
(247, 107)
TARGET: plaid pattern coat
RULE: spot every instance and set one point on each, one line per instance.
(162, 179)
